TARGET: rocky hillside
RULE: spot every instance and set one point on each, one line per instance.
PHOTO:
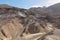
(27, 24)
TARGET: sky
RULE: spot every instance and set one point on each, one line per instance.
(29, 3)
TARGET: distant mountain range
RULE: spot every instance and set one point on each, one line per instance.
(53, 10)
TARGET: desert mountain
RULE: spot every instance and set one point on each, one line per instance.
(28, 24)
(54, 8)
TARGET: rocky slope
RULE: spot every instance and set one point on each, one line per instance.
(27, 24)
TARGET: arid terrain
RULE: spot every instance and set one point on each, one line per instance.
(41, 23)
